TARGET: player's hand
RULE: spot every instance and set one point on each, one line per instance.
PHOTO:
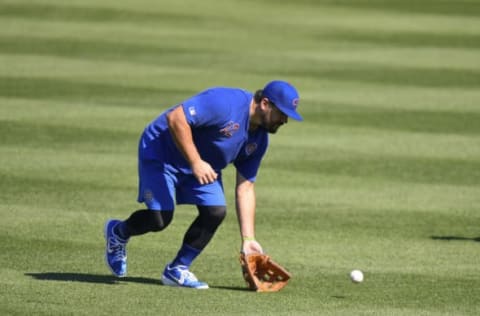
(203, 172)
(251, 246)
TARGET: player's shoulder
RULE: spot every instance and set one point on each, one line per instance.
(231, 93)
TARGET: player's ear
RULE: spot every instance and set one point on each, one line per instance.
(264, 104)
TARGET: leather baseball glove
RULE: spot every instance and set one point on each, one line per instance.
(262, 274)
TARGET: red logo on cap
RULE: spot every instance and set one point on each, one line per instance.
(295, 102)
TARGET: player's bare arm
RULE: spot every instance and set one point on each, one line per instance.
(246, 205)
(182, 135)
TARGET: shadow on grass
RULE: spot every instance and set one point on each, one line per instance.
(450, 238)
(231, 288)
(107, 279)
(89, 278)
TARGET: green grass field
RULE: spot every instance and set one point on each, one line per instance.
(383, 175)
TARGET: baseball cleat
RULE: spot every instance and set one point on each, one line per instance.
(115, 250)
(181, 276)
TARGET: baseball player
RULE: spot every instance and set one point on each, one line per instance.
(180, 159)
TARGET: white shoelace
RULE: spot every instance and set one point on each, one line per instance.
(118, 248)
(187, 275)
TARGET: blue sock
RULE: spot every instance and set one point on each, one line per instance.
(185, 256)
(121, 230)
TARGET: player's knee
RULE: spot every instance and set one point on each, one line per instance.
(214, 215)
(160, 220)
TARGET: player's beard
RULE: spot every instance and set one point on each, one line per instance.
(268, 125)
(273, 128)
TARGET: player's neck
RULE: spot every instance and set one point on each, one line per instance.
(254, 121)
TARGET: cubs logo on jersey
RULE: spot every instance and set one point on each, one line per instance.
(230, 129)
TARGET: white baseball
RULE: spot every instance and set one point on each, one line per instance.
(356, 276)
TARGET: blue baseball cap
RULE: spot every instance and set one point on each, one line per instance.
(284, 96)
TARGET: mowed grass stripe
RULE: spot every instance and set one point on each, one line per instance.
(449, 58)
(61, 89)
(80, 114)
(45, 66)
(395, 169)
(62, 190)
(408, 229)
(343, 18)
(461, 8)
(385, 75)
(60, 136)
(405, 39)
(85, 48)
(324, 92)
(95, 13)
(421, 121)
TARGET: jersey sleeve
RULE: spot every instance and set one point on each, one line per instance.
(251, 155)
(206, 109)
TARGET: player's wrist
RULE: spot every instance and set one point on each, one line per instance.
(248, 238)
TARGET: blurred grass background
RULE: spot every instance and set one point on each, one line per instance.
(383, 175)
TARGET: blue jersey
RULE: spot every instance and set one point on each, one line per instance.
(219, 119)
